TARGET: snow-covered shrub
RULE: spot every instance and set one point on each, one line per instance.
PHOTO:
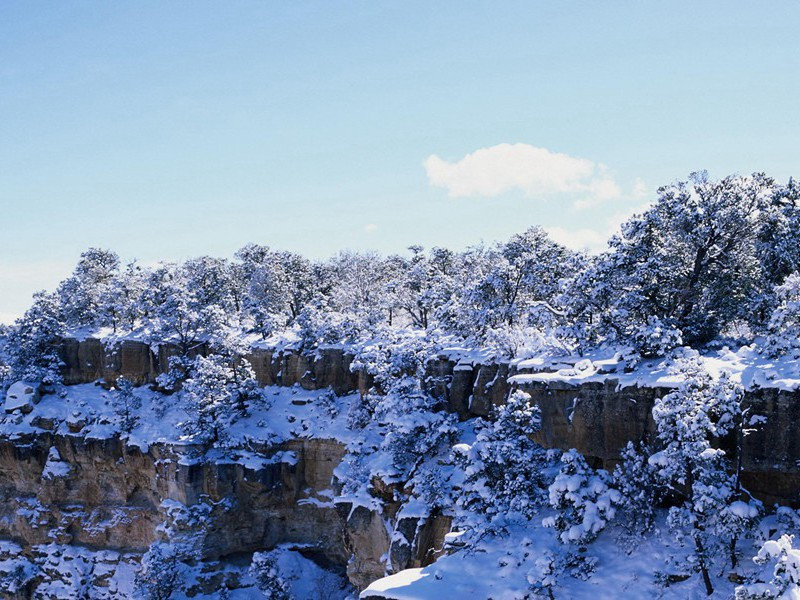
(431, 487)
(543, 577)
(392, 356)
(30, 349)
(635, 479)
(15, 572)
(781, 575)
(217, 394)
(186, 526)
(160, 573)
(178, 368)
(583, 498)
(713, 505)
(784, 325)
(318, 325)
(516, 341)
(264, 570)
(126, 404)
(656, 338)
(505, 471)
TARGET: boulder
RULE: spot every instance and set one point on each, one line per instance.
(21, 396)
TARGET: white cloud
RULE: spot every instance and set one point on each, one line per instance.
(537, 172)
(594, 240)
(640, 189)
(370, 227)
(579, 239)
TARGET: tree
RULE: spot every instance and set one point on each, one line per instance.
(583, 498)
(504, 466)
(640, 494)
(217, 394)
(126, 404)
(178, 312)
(521, 282)
(159, 575)
(359, 287)
(713, 505)
(691, 262)
(81, 295)
(264, 569)
(30, 350)
(783, 329)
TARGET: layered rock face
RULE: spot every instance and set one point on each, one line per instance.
(596, 418)
(112, 496)
(101, 494)
(108, 496)
(90, 360)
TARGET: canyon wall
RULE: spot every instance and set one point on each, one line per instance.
(596, 418)
(117, 497)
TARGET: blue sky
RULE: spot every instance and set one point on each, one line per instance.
(168, 130)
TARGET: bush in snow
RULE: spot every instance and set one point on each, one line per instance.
(781, 576)
(583, 498)
(504, 468)
(30, 350)
(217, 394)
(636, 480)
(160, 573)
(264, 570)
(319, 325)
(126, 404)
(656, 338)
(713, 505)
(784, 324)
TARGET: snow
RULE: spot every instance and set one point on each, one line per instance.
(21, 396)
(55, 468)
(287, 413)
(748, 366)
(502, 567)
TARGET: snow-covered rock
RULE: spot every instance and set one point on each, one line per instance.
(55, 467)
(21, 396)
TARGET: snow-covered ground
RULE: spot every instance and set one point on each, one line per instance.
(506, 567)
(747, 365)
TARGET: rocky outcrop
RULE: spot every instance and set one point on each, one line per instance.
(105, 495)
(112, 496)
(597, 418)
(89, 360)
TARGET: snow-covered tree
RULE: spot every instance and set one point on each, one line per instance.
(691, 261)
(217, 394)
(713, 505)
(30, 348)
(120, 300)
(515, 284)
(504, 467)
(640, 493)
(780, 578)
(784, 324)
(126, 404)
(159, 575)
(583, 498)
(359, 287)
(82, 295)
(264, 570)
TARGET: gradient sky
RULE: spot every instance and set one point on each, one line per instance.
(168, 130)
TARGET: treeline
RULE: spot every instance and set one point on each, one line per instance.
(709, 259)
